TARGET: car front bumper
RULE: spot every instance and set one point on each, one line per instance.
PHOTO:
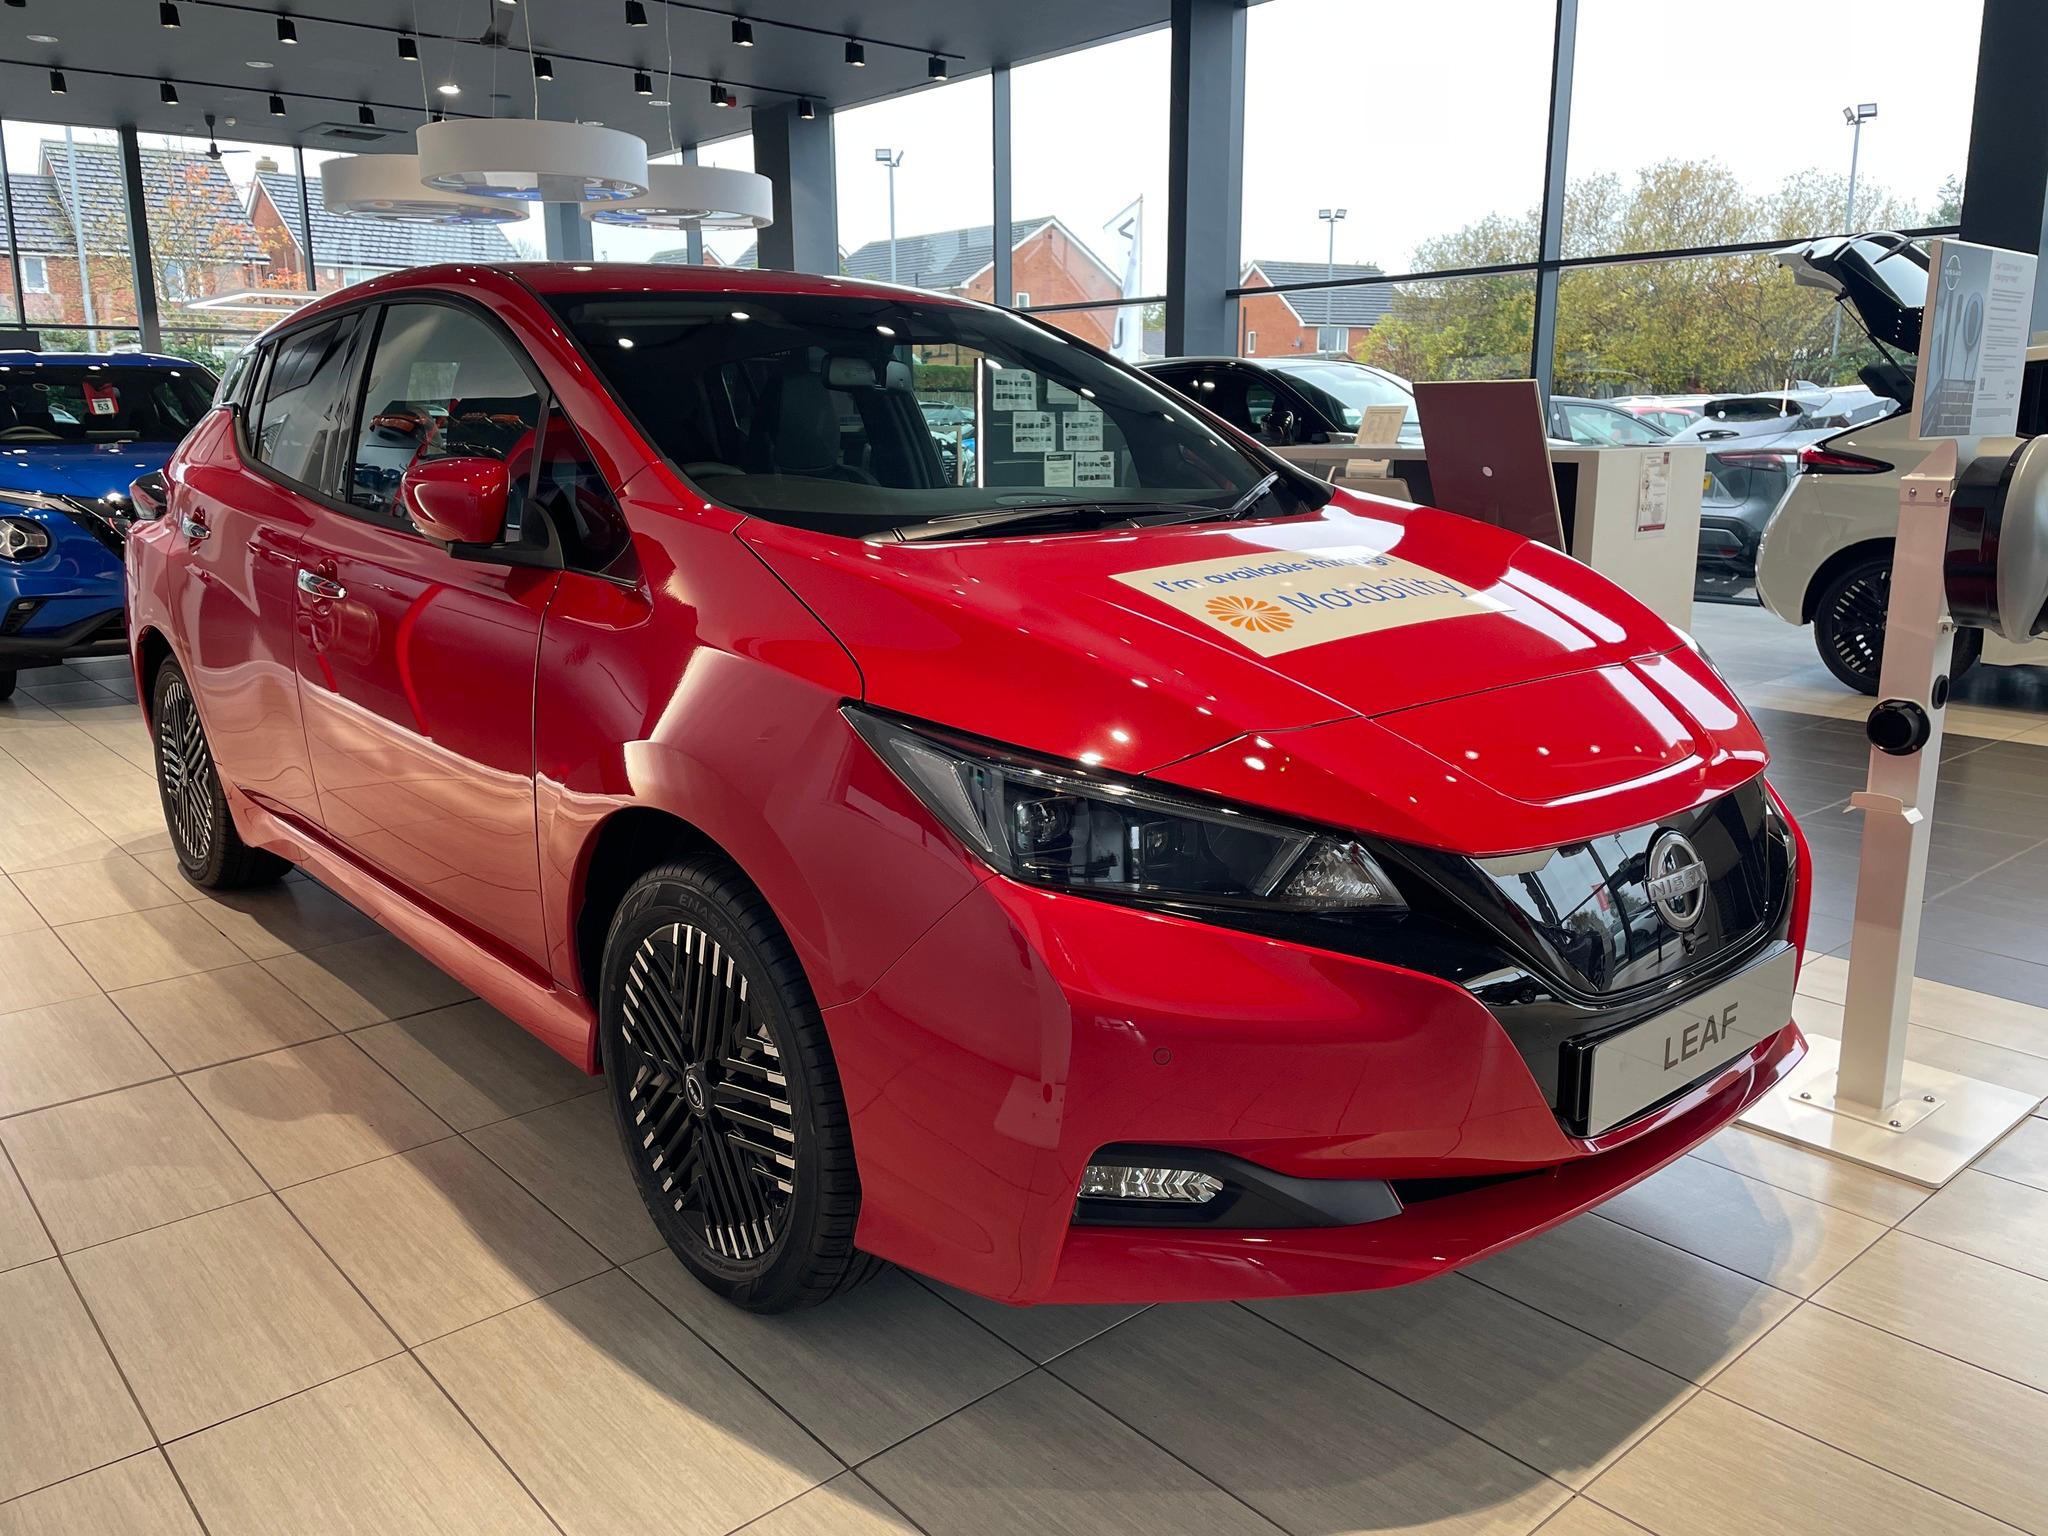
(1028, 1030)
(40, 632)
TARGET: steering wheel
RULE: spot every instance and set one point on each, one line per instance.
(29, 435)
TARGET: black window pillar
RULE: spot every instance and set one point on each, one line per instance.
(2005, 183)
(138, 244)
(306, 220)
(1550, 233)
(796, 157)
(1205, 176)
(1003, 278)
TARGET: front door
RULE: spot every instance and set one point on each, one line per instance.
(416, 667)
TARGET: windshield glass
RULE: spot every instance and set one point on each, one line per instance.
(1350, 386)
(95, 402)
(853, 415)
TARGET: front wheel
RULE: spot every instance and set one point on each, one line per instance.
(1849, 621)
(725, 1091)
(210, 851)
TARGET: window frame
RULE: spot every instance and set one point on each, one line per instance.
(257, 399)
(38, 263)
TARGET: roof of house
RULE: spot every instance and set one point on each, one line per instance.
(1346, 306)
(946, 259)
(748, 260)
(193, 209)
(39, 221)
(343, 241)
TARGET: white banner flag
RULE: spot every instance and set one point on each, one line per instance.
(1128, 339)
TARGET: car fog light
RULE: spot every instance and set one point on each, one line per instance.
(1180, 1186)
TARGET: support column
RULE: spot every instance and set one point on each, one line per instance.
(138, 247)
(1550, 235)
(566, 233)
(693, 238)
(2005, 181)
(1205, 176)
(796, 156)
(1003, 278)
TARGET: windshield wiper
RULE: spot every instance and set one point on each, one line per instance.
(1080, 515)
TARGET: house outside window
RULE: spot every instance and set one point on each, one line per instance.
(1020, 300)
(1333, 338)
(1251, 343)
(35, 274)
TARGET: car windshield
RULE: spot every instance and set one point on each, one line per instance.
(853, 415)
(1352, 387)
(99, 402)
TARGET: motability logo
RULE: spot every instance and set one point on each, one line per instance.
(1253, 613)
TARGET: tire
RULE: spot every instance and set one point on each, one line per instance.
(7, 680)
(750, 1180)
(210, 851)
(1849, 621)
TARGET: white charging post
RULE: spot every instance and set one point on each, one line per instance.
(1862, 1099)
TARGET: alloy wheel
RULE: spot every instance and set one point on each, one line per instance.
(184, 769)
(707, 1099)
(1854, 624)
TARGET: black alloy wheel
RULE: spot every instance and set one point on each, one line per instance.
(724, 1090)
(1849, 621)
(210, 851)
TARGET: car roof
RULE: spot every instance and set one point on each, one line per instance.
(22, 359)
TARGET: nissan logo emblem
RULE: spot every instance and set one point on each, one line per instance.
(1676, 880)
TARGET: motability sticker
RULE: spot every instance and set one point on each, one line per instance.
(1294, 598)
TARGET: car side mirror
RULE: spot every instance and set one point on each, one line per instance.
(457, 500)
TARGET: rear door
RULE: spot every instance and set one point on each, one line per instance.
(416, 667)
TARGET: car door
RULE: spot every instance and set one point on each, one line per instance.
(241, 504)
(416, 659)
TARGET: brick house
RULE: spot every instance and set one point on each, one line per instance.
(1048, 265)
(348, 250)
(1332, 322)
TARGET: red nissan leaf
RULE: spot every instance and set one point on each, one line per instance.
(978, 811)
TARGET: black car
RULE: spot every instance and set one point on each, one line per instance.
(1290, 400)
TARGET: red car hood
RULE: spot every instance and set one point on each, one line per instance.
(1437, 636)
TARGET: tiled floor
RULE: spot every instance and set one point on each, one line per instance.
(297, 1237)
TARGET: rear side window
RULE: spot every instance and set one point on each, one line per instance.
(303, 426)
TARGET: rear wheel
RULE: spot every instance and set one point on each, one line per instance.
(210, 851)
(1849, 620)
(725, 1091)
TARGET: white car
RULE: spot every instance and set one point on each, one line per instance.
(1826, 554)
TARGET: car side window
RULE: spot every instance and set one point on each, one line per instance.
(305, 402)
(569, 489)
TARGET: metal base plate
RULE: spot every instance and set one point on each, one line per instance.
(1929, 1148)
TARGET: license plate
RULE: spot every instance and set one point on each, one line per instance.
(1649, 1063)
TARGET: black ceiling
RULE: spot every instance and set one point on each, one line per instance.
(115, 55)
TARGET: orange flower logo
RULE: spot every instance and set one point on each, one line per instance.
(1253, 613)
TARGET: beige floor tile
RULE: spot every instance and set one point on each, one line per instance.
(439, 1237)
(1550, 1395)
(63, 1409)
(213, 1016)
(1979, 1438)
(1993, 1218)
(366, 981)
(1039, 1457)
(1582, 1517)
(1950, 1051)
(846, 1506)
(314, 1109)
(569, 1156)
(1954, 1010)
(102, 887)
(1716, 1469)
(103, 1167)
(1861, 1191)
(472, 1065)
(136, 1497)
(16, 915)
(68, 1050)
(221, 1313)
(1667, 1307)
(1964, 1306)
(274, 920)
(2022, 1155)
(1040, 1332)
(53, 835)
(22, 1238)
(163, 863)
(382, 1450)
(876, 1366)
(1743, 1224)
(37, 970)
(619, 1418)
(136, 948)
(1308, 1442)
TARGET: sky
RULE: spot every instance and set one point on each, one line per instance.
(1415, 116)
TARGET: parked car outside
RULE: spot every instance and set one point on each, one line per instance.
(1597, 424)
(1670, 412)
(76, 428)
(1148, 873)
(1291, 400)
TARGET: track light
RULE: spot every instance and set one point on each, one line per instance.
(276, 105)
(57, 87)
(718, 96)
(366, 117)
(167, 14)
(643, 83)
(805, 110)
(167, 93)
(408, 49)
(287, 30)
(636, 14)
(742, 33)
(543, 67)
(935, 68)
(856, 54)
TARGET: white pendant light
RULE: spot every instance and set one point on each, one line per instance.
(388, 187)
(709, 196)
(532, 161)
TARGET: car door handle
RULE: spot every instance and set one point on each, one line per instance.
(313, 584)
(193, 529)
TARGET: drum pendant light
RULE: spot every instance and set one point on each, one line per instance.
(678, 196)
(388, 187)
(531, 161)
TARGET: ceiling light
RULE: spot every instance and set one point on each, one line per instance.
(856, 54)
(57, 82)
(532, 160)
(276, 105)
(408, 49)
(805, 110)
(543, 67)
(167, 93)
(366, 117)
(681, 196)
(167, 14)
(449, 88)
(42, 37)
(257, 64)
(643, 83)
(742, 33)
(636, 14)
(287, 30)
(659, 101)
(388, 187)
(718, 96)
(935, 68)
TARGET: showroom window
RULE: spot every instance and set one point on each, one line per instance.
(940, 160)
(1428, 328)
(70, 206)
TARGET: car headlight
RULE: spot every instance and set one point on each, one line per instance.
(22, 539)
(1057, 824)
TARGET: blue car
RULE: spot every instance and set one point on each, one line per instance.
(77, 429)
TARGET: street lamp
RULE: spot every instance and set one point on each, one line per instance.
(1329, 216)
(1855, 117)
(892, 159)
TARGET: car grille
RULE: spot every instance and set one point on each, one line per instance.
(107, 520)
